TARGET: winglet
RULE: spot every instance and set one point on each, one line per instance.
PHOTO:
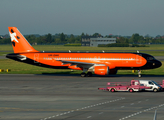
(19, 42)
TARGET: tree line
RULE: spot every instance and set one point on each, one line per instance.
(62, 39)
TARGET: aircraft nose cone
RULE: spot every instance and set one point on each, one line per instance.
(157, 64)
(153, 64)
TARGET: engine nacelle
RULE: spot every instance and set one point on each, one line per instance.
(101, 70)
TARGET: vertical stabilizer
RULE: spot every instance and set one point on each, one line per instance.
(19, 42)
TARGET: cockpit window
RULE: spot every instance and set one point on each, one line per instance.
(150, 58)
(147, 57)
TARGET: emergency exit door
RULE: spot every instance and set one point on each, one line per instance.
(36, 58)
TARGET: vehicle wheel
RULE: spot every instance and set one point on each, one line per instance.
(155, 90)
(83, 74)
(131, 90)
(89, 74)
(112, 90)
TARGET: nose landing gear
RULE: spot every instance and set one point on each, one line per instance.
(139, 73)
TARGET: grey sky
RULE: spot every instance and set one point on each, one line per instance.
(123, 17)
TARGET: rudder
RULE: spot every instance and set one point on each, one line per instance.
(19, 42)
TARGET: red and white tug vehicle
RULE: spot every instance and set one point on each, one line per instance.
(124, 86)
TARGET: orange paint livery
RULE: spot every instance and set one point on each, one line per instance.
(99, 63)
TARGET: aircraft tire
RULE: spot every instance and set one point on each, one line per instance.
(89, 74)
(83, 74)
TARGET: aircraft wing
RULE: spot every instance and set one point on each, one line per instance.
(78, 64)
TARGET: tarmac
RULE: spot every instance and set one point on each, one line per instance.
(71, 97)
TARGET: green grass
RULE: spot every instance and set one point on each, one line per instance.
(81, 48)
(155, 50)
(6, 48)
(157, 71)
(23, 68)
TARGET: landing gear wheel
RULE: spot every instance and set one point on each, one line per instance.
(112, 90)
(155, 90)
(139, 73)
(83, 74)
(131, 90)
(89, 74)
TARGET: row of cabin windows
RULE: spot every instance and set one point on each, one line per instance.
(90, 58)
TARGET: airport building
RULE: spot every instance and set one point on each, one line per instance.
(95, 41)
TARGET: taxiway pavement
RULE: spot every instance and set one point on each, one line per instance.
(70, 97)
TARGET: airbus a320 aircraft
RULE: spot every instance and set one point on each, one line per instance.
(99, 63)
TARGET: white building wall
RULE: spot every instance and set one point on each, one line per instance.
(94, 42)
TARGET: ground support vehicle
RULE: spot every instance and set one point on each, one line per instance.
(124, 86)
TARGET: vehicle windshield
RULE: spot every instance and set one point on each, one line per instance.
(155, 83)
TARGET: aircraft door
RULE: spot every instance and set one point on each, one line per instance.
(139, 58)
(36, 58)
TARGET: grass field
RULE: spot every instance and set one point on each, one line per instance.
(22, 68)
(81, 48)
(155, 50)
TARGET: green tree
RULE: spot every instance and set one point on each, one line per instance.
(31, 39)
(96, 34)
(49, 38)
(82, 34)
(57, 41)
(71, 39)
(135, 38)
(62, 38)
(122, 40)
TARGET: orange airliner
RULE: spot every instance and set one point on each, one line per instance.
(99, 63)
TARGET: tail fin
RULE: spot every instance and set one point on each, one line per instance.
(19, 42)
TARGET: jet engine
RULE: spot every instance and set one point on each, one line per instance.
(104, 70)
(101, 70)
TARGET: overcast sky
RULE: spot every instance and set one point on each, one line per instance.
(118, 17)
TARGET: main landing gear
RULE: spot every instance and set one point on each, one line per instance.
(83, 74)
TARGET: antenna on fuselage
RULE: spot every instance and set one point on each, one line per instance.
(69, 51)
(103, 51)
(138, 51)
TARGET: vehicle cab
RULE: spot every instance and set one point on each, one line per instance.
(152, 85)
